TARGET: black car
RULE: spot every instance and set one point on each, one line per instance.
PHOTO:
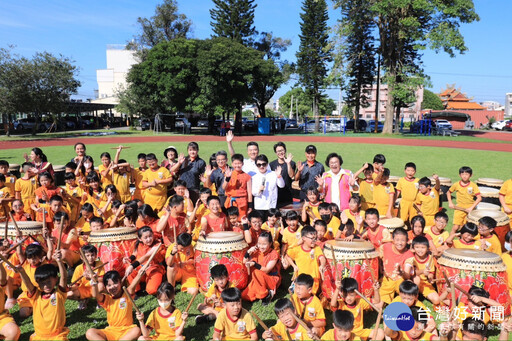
(202, 124)
(361, 125)
(145, 124)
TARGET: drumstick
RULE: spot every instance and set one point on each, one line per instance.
(303, 324)
(97, 209)
(15, 224)
(456, 286)
(131, 299)
(334, 262)
(144, 268)
(122, 147)
(94, 269)
(174, 232)
(454, 301)
(260, 321)
(16, 245)
(6, 261)
(87, 265)
(310, 214)
(416, 208)
(44, 220)
(6, 224)
(59, 242)
(190, 303)
(458, 208)
(377, 323)
(367, 300)
(45, 248)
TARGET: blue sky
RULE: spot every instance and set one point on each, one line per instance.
(81, 30)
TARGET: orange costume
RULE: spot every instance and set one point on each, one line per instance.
(177, 223)
(391, 260)
(74, 244)
(216, 223)
(261, 282)
(236, 192)
(380, 236)
(84, 285)
(155, 272)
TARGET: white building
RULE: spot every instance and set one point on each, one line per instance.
(491, 105)
(113, 78)
(508, 104)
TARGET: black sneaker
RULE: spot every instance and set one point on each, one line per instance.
(200, 319)
(267, 299)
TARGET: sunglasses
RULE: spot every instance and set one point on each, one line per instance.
(261, 164)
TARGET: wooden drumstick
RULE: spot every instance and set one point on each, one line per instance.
(87, 265)
(6, 261)
(367, 300)
(144, 268)
(131, 299)
(6, 224)
(15, 224)
(59, 242)
(190, 303)
(303, 324)
(94, 269)
(334, 262)
(260, 321)
(97, 209)
(16, 245)
(122, 147)
(174, 233)
(454, 301)
(377, 323)
(44, 219)
(418, 210)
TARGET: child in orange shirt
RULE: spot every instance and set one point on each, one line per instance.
(352, 303)
(82, 289)
(75, 194)
(263, 264)
(145, 246)
(70, 244)
(375, 233)
(48, 299)
(273, 225)
(173, 221)
(118, 307)
(252, 228)
(167, 321)
(45, 192)
(213, 302)
(215, 221)
(235, 224)
(181, 265)
(18, 211)
(238, 186)
(308, 258)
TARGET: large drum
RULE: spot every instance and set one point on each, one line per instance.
(59, 172)
(393, 179)
(27, 228)
(490, 195)
(357, 259)
(490, 182)
(487, 206)
(392, 224)
(502, 222)
(226, 248)
(445, 183)
(297, 207)
(15, 169)
(480, 268)
(113, 245)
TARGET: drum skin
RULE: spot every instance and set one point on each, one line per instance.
(479, 268)
(226, 248)
(351, 264)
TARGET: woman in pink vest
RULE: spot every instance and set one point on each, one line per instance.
(336, 184)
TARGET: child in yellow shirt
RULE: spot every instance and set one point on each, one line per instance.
(438, 233)
(82, 289)
(287, 327)
(467, 239)
(427, 199)
(407, 188)
(384, 194)
(234, 322)
(154, 183)
(10, 179)
(180, 264)
(118, 307)
(307, 305)
(310, 207)
(489, 241)
(366, 186)
(354, 213)
(465, 191)
(343, 323)
(75, 196)
(167, 321)
(48, 299)
(213, 302)
(352, 303)
(8, 328)
(274, 226)
(6, 197)
(291, 234)
(25, 188)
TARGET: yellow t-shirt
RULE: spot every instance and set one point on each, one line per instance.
(408, 189)
(27, 188)
(381, 194)
(160, 174)
(329, 336)
(492, 242)
(297, 333)
(138, 175)
(291, 238)
(79, 271)
(418, 264)
(235, 329)
(164, 325)
(459, 244)
(122, 183)
(465, 193)
(311, 310)
(437, 239)
(418, 303)
(10, 181)
(357, 310)
(306, 261)
(506, 191)
(429, 203)
(119, 311)
(49, 313)
(366, 193)
(274, 231)
(183, 257)
(83, 225)
(5, 192)
(334, 225)
(107, 179)
(352, 217)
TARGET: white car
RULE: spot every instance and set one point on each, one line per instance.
(443, 124)
(499, 125)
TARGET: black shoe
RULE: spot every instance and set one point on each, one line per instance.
(200, 319)
(267, 299)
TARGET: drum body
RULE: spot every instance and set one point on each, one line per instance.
(490, 195)
(27, 228)
(479, 268)
(297, 207)
(59, 172)
(357, 259)
(502, 222)
(487, 207)
(226, 248)
(113, 245)
(392, 224)
(393, 179)
(446, 183)
(490, 182)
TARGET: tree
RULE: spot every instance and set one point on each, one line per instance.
(302, 104)
(359, 54)
(431, 101)
(234, 19)
(406, 27)
(313, 54)
(167, 24)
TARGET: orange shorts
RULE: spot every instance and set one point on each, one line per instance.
(85, 291)
(116, 333)
(187, 279)
(23, 301)
(62, 335)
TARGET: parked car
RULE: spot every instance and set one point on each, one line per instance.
(183, 125)
(202, 124)
(370, 127)
(291, 124)
(309, 127)
(443, 125)
(27, 124)
(361, 125)
(508, 126)
(499, 125)
(145, 124)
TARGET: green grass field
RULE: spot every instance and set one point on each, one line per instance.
(443, 161)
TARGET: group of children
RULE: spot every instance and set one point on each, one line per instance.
(169, 223)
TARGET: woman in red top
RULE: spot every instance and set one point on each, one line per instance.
(262, 262)
(40, 161)
(144, 248)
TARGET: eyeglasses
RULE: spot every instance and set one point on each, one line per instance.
(261, 164)
(312, 238)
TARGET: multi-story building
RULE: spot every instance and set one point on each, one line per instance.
(508, 104)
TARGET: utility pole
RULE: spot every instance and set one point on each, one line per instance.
(290, 116)
(377, 99)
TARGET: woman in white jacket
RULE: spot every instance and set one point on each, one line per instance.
(264, 186)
